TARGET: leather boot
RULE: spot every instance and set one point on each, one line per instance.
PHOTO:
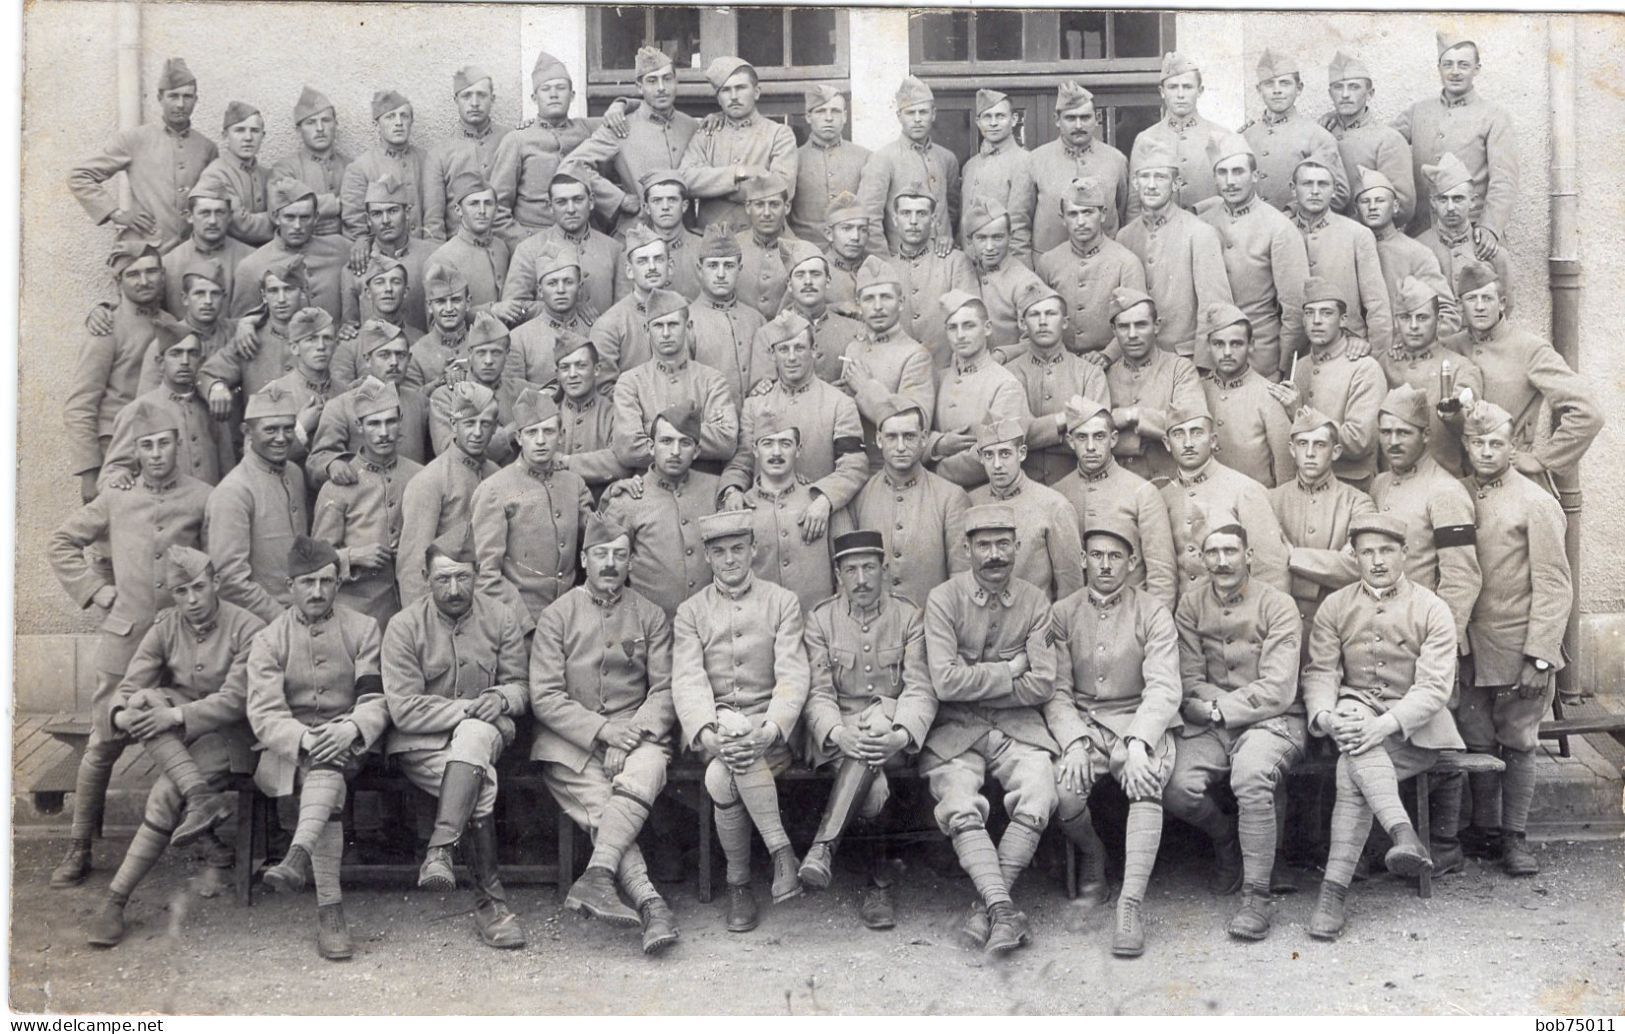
(498, 926)
(333, 933)
(436, 872)
(594, 894)
(289, 875)
(1092, 889)
(1128, 940)
(742, 912)
(1516, 858)
(973, 930)
(1327, 922)
(1252, 920)
(459, 792)
(786, 881)
(1478, 842)
(659, 926)
(1409, 856)
(876, 909)
(816, 867)
(1447, 859)
(74, 867)
(106, 927)
(1008, 929)
(202, 815)
(1226, 878)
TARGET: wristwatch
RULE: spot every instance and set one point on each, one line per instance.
(1215, 716)
(1542, 665)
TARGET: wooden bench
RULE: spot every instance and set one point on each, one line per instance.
(1561, 728)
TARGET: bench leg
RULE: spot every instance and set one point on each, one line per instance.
(1424, 885)
(1071, 852)
(567, 855)
(1557, 713)
(704, 874)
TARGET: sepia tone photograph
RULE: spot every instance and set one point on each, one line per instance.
(533, 508)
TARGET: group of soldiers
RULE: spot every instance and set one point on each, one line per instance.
(1064, 467)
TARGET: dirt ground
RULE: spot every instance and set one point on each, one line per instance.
(1482, 944)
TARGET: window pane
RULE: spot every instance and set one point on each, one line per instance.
(812, 36)
(1137, 34)
(1128, 120)
(620, 35)
(677, 33)
(1083, 35)
(761, 35)
(945, 36)
(998, 36)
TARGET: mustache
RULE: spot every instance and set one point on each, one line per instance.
(996, 565)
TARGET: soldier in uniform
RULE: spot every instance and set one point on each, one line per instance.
(316, 705)
(735, 145)
(382, 347)
(1075, 154)
(1051, 373)
(1335, 382)
(667, 378)
(310, 352)
(656, 134)
(453, 668)
(476, 249)
(1087, 265)
(919, 514)
(1381, 658)
(238, 175)
(793, 525)
(1418, 359)
(1116, 705)
(621, 334)
(1239, 642)
(827, 166)
(1145, 384)
(1451, 236)
(161, 162)
(388, 208)
(975, 390)
(1343, 253)
(162, 507)
(808, 272)
(318, 163)
(1362, 141)
(439, 499)
(1001, 172)
(586, 417)
(293, 206)
(913, 163)
(473, 149)
(764, 265)
(1049, 555)
(854, 726)
(1515, 633)
(992, 668)
(739, 682)
(204, 286)
(665, 200)
(1316, 510)
(886, 360)
(203, 445)
(999, 278)
(1182, 131)
(1099, 489)
(486, 365)
(441, 354)
(1401, 257)
(846, 246)
(724, 330)
(208, 214)
(383, 291)
(1249, 428)
(926, 269)
(600, 687)
(182, 698)
(570, 193)
(563, 308)
(393, 154)
(233, 372)
(1283, 136)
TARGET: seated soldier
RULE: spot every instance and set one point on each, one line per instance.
(440, 497)
(600, 687)
(182, 699)
(859, 728)
(316, 705)
(739, 681)
(987, 636)
(1382, 657)
(1115, 706)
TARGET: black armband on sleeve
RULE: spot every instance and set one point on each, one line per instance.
(846, 445)
(1455, 535)
(369, 684)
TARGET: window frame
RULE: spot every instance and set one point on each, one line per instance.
(1042, 27)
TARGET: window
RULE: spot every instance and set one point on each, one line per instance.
(790, 47)
(1042, 40)
(622, 30)
(775, 37)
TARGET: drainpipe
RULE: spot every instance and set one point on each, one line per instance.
(1563, 270)
(129, 79)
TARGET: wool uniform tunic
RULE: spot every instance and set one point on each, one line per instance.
(969, 395)
(530, 345)
(1162, 382)
(501, 448)
(621, 335)
(723, 337)
(1393, 650)
(107, 378)
(903, 166)
(901, 366)
(648, 390)
(303, 674)
(1266, 262)
(682, 247)
(252, 518)
(438, 499)
(1441, 553)
(1241, 652)
(805, 568)
(1421, 371)
(1049, 551)
(998, 290)
(586, 440)
(832, 333)
(1003, 173)
(1184, 272)
(483, 263)
(229, 252)
(527, 528)
(356, 303)
(161, 166)
(1526, 572)
(470, 150)
(741, 649)
(822, 173)
(338, 433)
(1453, 252)
(246, 185)
(601, 257)
(325, 259)
(1345, 253)
(922, 522)
(367, 513)
(1121, 496)
(1365, 142)
(1315, 520)
(668, 556)
(1187, 136)
(1350, 391)
(272, 360)
(1280, 143)
(1086, 282)
(1054, 166)
(1216, 495)
(841, 293)
(831, 457)
(861, 659)
(523, 168)
(414, 170)
(1401, 257)
(1050, 380)
(764, 272)
(1250, 429)
(304, 392)
(1480, 134)
(654, 141)
(923, 280)
(211, 339)
(1554, 417)
(203, 447)
(322, 173)
(720, 146)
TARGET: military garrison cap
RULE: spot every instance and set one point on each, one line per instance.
(308, 555)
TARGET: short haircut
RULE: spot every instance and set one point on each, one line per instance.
(914, 411)
(433, 551)
(927, 197)
(1228, 529)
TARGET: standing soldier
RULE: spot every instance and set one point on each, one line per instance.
(669, 377)
(476, 250)
(999, 278)
(316, 705)
(586, 417)
(665, 200)
(383, 290)
(1145, 384)
(557, 269)
(208, 213)
(393, 154)
(864, 728)
(203, 444)
(1001, 172)
(1401, 257)
(827, 165)
(234, 371)
(1381, 657)
(334, 447)
(487, 366)
(1088, 265)
(1052, 374)
(570, 197)
(182, 698)
(739, 682)
(600, 687)
(885, 361)
(309, 380)
(764, 265)
(239, 176)
(453, 669)
(1048, 553)
(913, 163)
(441, 354)
(724, 330)
(161, 162)
(976, 390)
(1316, 510)
(992, 668)
(1283, 136)
(735, 145)
(1115, 707)
(204, 284)
(1343, 253)
(919, 514)
(1418, 360)
(846, 245)
(387, 210)
(1333, 381)
(162, 507)
(318, 163)
(1515, 634)
(655, 135)
(1452, 237)
(293, 206)
(1101, 490)
(925, 271)
(1181, 131)
(439, 499)
(792, 526)
(807, 297)
(1362, 141)
(473, 149)
(1249, 428)
(1075, 154)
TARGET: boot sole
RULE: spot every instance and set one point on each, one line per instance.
(581, 907)
(186, 838)
(491, 942)
(742, 927)
(64, 883)
(1407, 865)
(659, 944)
(279, 884)
(1325, 935)
(438, 884)
(104, 942)
(1004, 947)
(1246, 935)
(813, 879)
(1521, 872)
(1127, 952)
(789, 895)
(336, 956)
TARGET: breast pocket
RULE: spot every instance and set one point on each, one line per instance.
(891, 668)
